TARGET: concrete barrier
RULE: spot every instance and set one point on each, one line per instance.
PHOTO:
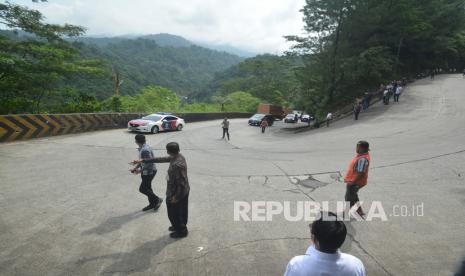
(28, 126)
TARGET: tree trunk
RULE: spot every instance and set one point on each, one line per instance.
(38, 100)
(398, 54)
(332, 87)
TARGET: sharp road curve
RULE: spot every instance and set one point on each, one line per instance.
(69, 206)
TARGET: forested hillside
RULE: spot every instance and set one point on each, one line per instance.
(349, 46)
(268, 77)
(142, 62)
(352, 46)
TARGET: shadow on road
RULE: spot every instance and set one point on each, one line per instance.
(351, 234)
(114, 223)
(137, 260)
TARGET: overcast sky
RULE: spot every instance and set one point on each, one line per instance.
(253, 25)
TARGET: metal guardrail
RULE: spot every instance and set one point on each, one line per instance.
(28, 126)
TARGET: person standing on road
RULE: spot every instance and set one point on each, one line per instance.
(177, 189)
(329, 118)
(264, 125)
(148, 172)
(323, 257)
(357, 109)
(397, 93)
(386, 97)
(463, 75)
(225, 126)
(357, 174)
(366, 101)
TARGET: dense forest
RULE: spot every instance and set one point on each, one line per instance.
(142, 62)
(268, 77)
(354, 45)
(349, 46)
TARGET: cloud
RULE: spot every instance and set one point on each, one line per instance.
(254, 25)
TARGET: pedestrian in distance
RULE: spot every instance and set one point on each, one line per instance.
(432, 74)
(357, 174)
(386, 97)
(296, 117)
(357, 109)
(147, 172)
(366, 101)
(324, 257)
(177, 189)
(394, 88)
(381, 90)
(225, 126)
(397, 93)
(329, 118)
(264, 125)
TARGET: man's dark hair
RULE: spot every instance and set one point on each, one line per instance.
(330, 234)
(140, 138)
(172, 147)
(364, 145)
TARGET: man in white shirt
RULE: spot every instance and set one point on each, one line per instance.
(386, 96)
(397, 93)
(329, 117)
(323, 257)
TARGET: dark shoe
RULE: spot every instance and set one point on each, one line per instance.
(160, 201)
(178, 235)
(171, 229)
(149, 207)
(361, 213)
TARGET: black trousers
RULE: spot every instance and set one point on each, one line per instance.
(356, 115)
(226, 131)
(352, 194)
(396, 97)
(178, 213)
(263, 129)
(146, 188)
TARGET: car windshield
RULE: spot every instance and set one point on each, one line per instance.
(291, 116)
(258, 116)
(152, 118)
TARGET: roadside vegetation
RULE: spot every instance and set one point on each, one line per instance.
(351, 47)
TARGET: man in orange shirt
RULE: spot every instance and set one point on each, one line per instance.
(357, 174)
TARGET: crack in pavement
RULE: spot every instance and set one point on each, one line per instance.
(264, 182)
(418, 160)
(290, 181)
(358, 243)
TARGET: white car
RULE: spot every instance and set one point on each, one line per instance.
(155, 123)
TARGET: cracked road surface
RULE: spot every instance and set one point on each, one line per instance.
(70, 207)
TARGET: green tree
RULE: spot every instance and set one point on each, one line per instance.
(152, 99)
(268, 77)
(33, 63)
(351, 46)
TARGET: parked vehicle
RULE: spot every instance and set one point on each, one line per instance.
(257, 119)
(291, 118)
(306, 118)
(155, 123)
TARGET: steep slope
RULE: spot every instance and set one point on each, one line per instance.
(143, 62)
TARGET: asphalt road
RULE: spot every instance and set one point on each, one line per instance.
(68, 205)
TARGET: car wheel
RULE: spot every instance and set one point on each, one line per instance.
(179, 128)
(155, 130)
